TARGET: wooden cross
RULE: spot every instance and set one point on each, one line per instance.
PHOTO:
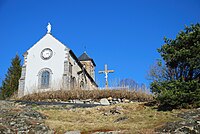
(106, 71)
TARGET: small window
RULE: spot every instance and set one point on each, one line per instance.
(70, 68)
(81, 84)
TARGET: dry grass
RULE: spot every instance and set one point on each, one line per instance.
(140, 119)
(65, 95)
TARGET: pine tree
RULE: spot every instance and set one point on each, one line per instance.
(10, 83)
(177, 84)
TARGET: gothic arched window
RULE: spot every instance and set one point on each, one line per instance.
(45, 79)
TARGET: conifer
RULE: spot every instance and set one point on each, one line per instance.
(11, 81)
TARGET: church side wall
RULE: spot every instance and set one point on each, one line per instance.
(76, 78)
(74, 75)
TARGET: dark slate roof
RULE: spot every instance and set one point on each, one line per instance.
(85, 57)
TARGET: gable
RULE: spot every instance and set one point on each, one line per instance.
(47, 41)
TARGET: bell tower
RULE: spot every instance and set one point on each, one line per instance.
(88, 63)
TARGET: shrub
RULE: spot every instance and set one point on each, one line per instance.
(178, 94)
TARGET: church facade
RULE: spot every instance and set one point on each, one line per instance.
(50, 65)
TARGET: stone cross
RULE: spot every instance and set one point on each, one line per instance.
(106, 71)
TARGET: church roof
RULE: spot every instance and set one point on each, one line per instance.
(85, 57)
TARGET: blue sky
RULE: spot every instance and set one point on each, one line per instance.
(121, 33)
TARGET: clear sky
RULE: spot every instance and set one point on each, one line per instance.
(121, 33)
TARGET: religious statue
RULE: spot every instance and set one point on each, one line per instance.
(106, 71)
(49, 28)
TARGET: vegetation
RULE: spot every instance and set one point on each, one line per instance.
(177, 83)
(10, 83)
(129, 118)
(65, 95)
(132, 85)
(1, 97)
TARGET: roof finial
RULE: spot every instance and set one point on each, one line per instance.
(49, 28)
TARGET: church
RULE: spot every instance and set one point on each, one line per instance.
(50, 65)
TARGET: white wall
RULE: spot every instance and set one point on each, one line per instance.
(35, 63)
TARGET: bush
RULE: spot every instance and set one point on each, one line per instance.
(177, 94)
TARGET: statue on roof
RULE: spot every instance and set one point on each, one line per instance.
(49, 28)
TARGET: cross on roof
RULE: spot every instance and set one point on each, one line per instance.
(106, 71)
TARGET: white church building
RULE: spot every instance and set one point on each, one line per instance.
(51, 65)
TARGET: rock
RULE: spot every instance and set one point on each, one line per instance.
(104, 101)
(121, 119)
(87, 101)
(70, 101)
(106, 114)
(109, 98)
(79, 102)
(115, 99)
(97, 103)
(185, 130)
(189, 124)
(119, 100)
(115, 111)
(73, 132)
(12, 123)
(197, 128)
(114, 102)
(109, 132)
(126, 101)
(20, 120)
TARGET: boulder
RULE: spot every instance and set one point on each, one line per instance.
(115, 99)
(126, 101)
(104, 101)
(109, 98)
